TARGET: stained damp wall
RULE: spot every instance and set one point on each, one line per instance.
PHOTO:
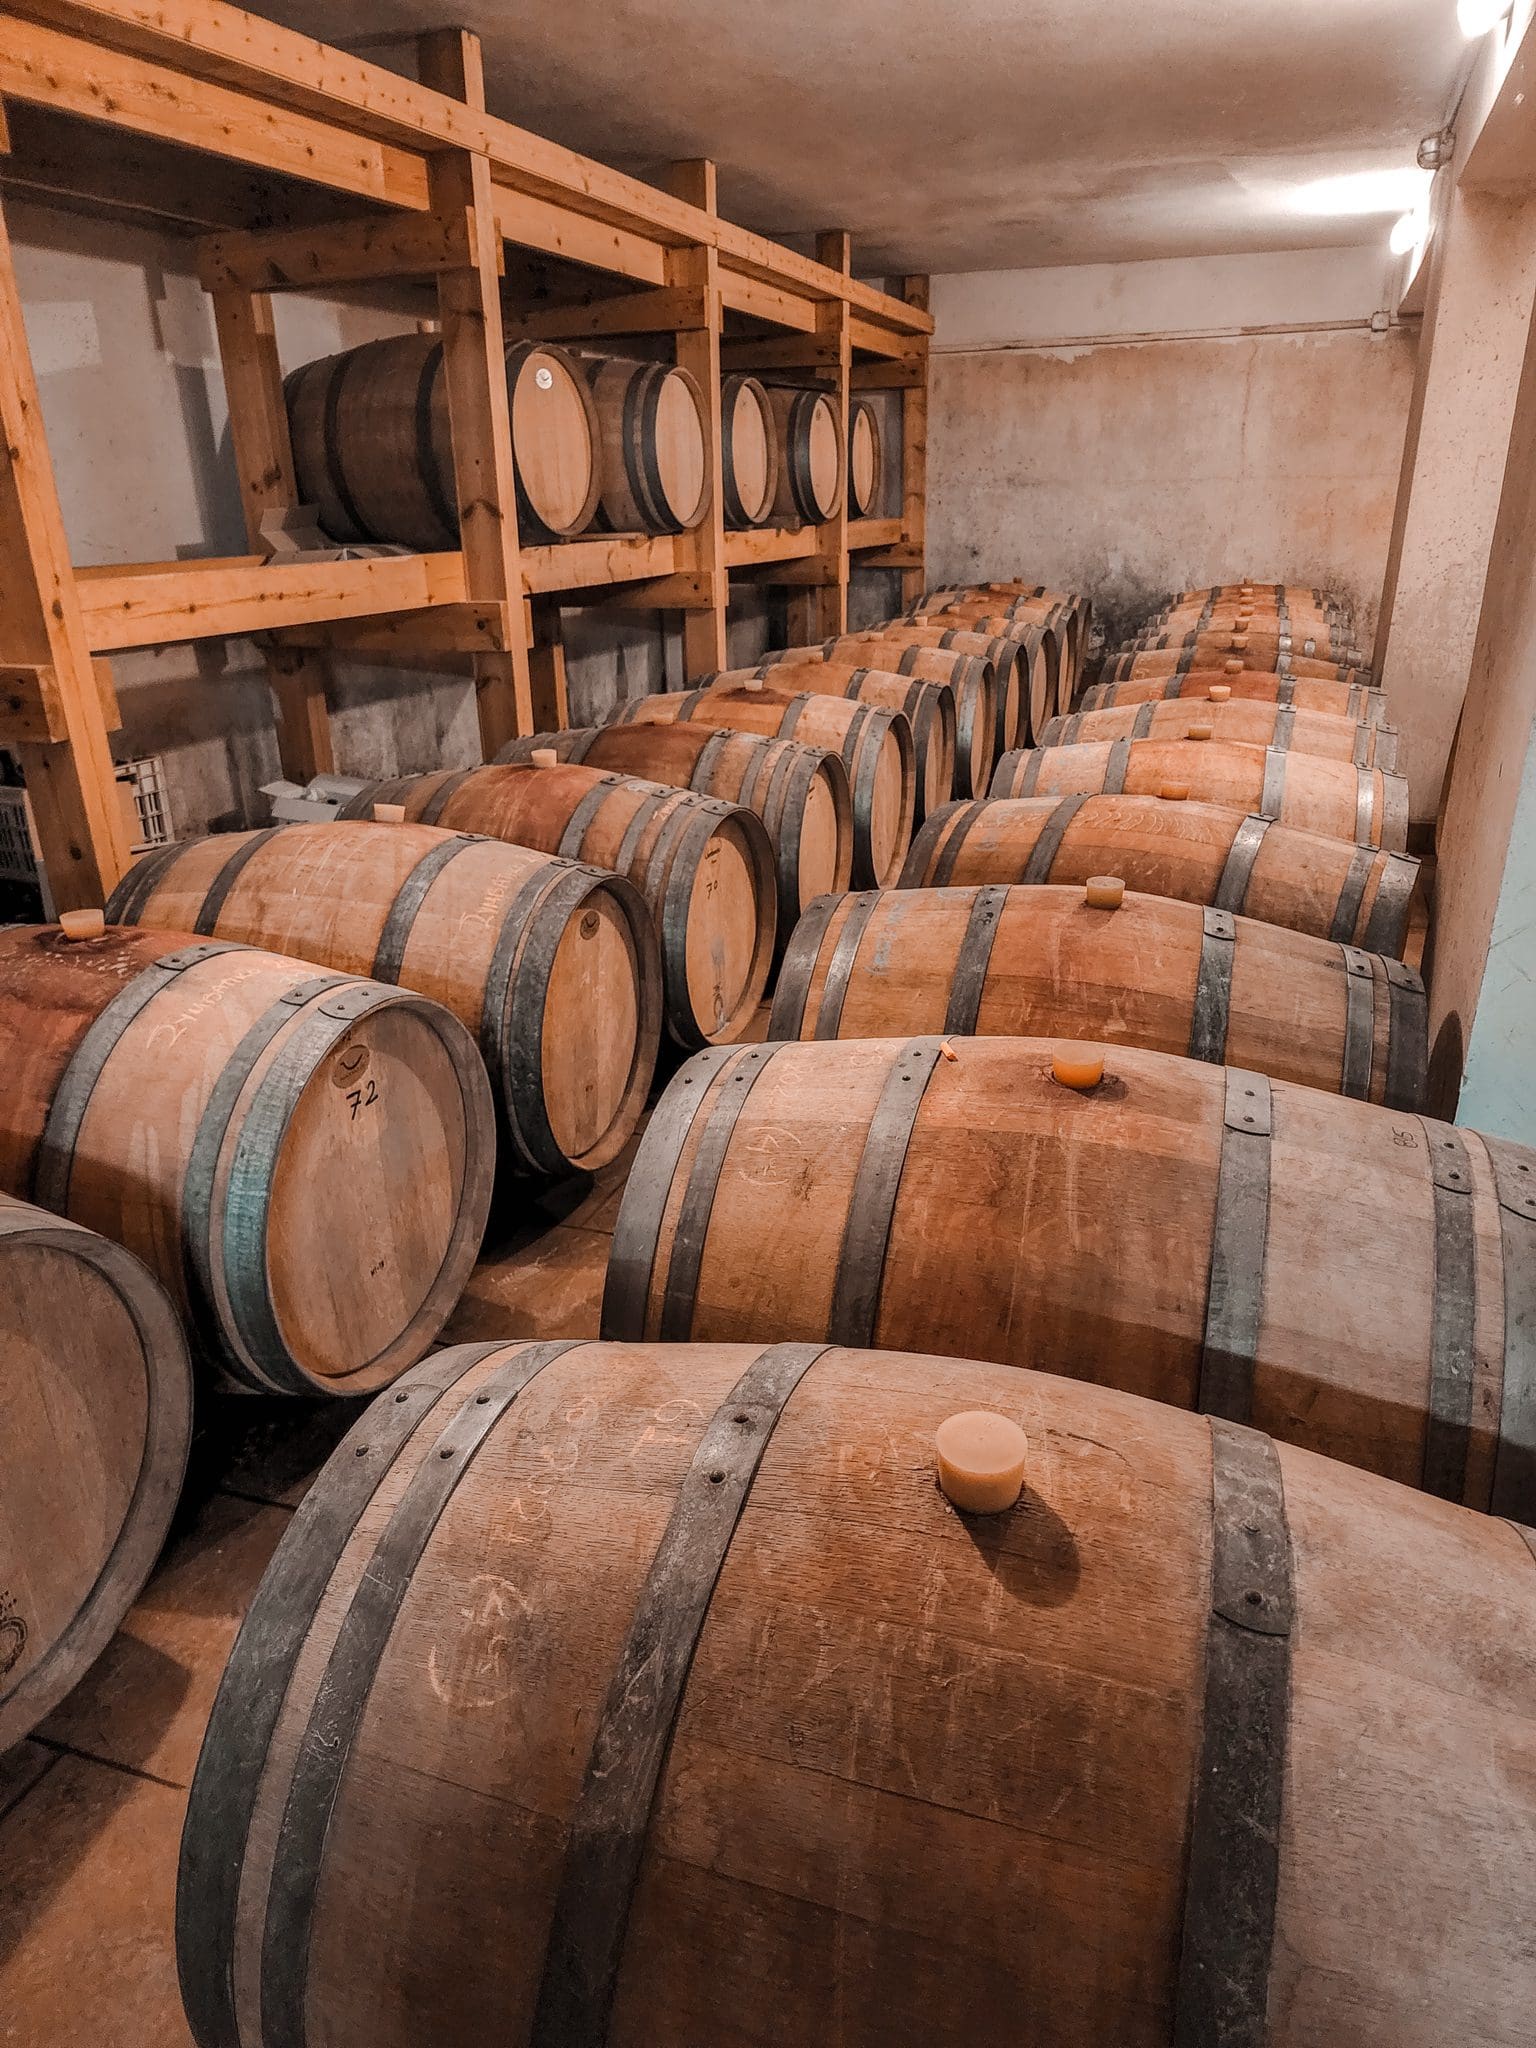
(1134, 429)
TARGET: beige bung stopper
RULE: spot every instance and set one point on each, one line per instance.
(1233, 668)
(1239, 639)
(1174, 792)
(83, 924)
(1220, 692)
(1199, 732)
(981, 1461)
(1077, 1066)
(1104, 892)
(753, 683)
(389, 814)
(544, 757)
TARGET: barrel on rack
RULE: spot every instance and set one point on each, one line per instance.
(874, 746)
(552, 966)
(1104, 963)
(98, 1417)
(777, 1733)
(748, 451)
(373, 445)
(304, 1159)
(1198, 853)
(1358, 702)
(1302, 790)
(973, 678)
(705, 868)
(1244, 722)
(1046, 643)
(1356, 1279)
(650, 418)
(929, 708)
(811, 456)
(866, 462)
(800, 793)
(1065, 618)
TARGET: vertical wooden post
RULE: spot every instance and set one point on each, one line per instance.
(474, 369)
(702, 552)
(546, 666)
(822, 611)
(914, 458)
(70, 783)
(258, 429)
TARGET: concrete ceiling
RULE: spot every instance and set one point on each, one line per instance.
(977, 134)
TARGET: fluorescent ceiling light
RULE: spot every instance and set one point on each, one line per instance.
(1397, 191)
(1476, 17)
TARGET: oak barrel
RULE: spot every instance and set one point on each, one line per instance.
(736, 1731)
(929, 708)
(1357, 702)
(98, 1416)
(304, 1159)
(748, 450)
(1230, 661)
(800, 793)
(1242, 721)
(705, 868)
(1355, 1279)
(1199, 853)
(1010, 659)
(812, 460)
(552, 966)
(874, 746)
(973, 678)
(1141, 970)
(866, 461)
(1312, 794)
(650, 417)
(373, 446)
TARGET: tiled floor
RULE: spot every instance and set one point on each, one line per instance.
(91, 1808)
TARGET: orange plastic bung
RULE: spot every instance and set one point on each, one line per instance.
(1104, 892)
(1077, 1066)
(981, 1458)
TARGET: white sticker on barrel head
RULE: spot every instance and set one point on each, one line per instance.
(545, 379)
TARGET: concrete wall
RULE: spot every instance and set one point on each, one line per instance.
(1130, 430)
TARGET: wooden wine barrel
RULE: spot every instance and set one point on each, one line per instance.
(1357, 1280)
(749, 452)
(1244, 722)
(98, 1417)
(811, 456)
(1008, 658)
(1257, 648)
(800, 793)
(1360, 804)
(373, 446)
(1327, 631)
(650, 418)
(754, 1738)
(973, 678)
(1198, 853)
(1178, 661)
(1146, 970)
(866, 462)
(929, 708)
(874, 746)
(1050, 635)
(1356, 701)
(553, 967)
(303, 1159)
(705, 868)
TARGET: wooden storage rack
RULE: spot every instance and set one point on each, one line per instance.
(316, 170)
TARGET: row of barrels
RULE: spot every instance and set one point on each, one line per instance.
(1226, 1324)
(599, 439)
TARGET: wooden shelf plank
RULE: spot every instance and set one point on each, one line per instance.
(873, 533)
(600, 558)
(769, 544)
(153, 606)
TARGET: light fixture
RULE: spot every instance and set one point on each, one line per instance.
(1476, 17)
(1407, 233)
(1394, 191)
